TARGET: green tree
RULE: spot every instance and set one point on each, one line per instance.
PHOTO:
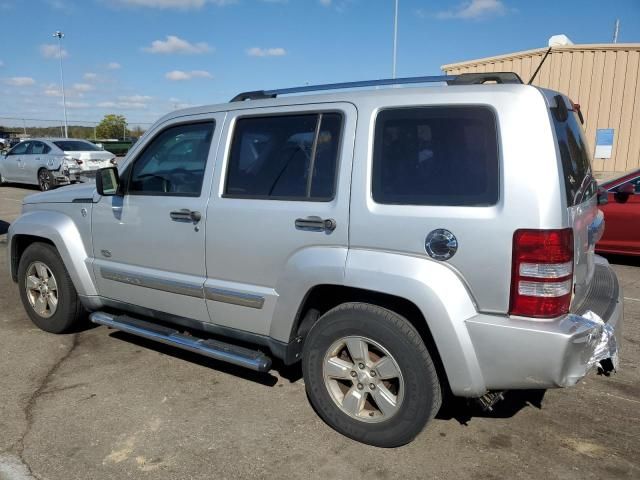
(112, 126)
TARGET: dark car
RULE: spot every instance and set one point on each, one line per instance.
(622, 215)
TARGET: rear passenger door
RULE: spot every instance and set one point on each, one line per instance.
(280, 199)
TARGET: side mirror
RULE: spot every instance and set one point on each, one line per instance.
(623, 192)
(603, 196)
(107, 181)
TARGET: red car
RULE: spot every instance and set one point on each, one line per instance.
(621, 215)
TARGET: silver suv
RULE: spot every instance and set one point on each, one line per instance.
(402, 243)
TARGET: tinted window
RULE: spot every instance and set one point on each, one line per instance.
(76, 146)
(576, 162)
(284, 157)
(20, 149)
(436, 156)
(174, 162)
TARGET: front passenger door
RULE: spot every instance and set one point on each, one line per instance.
(149, 242)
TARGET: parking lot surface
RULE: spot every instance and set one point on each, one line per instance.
(99, 404)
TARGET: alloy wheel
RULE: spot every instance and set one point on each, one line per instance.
(42, 289)
(363, 379)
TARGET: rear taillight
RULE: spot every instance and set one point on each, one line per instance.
(542, 273)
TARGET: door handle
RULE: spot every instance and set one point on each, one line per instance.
(185, 215)
(316, 224)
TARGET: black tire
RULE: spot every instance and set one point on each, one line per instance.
(69, 311)
(46, 181)
(422, 393)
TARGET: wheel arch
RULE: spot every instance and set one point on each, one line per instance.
(60, 231)
(429, 294)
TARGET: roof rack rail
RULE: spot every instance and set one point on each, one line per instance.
(462, 79)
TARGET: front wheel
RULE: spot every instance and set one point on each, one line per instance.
(46, 290)
(369, 375)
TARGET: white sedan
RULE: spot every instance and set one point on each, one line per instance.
(50, 162)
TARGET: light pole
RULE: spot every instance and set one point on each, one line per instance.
(395, 39)
(59, 35)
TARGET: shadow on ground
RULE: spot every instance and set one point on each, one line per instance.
(4, 227)
(257, 377)
(464, 410)
(628, 260)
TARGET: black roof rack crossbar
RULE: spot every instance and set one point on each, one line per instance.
(480, 78)
(462, 79)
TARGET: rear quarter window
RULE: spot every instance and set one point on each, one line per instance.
(436, 156)
(576, 159)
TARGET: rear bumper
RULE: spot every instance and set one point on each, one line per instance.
(519, 353)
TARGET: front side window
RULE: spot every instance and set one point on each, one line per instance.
(436, 156)
(286, 157)
(20, 149)
(174, 162)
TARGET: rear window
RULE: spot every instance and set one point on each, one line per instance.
(436, 156)
(76, 146)
(576, 160)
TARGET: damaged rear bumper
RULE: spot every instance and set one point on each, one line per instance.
(518, 353)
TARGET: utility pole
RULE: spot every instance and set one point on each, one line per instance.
(395, 39)
(59, 35)
(616, 30)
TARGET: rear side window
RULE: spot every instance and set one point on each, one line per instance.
(576, 160)
(436, 156)
(285, 157)
(76, 146)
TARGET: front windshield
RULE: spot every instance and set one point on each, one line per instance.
(76, 146)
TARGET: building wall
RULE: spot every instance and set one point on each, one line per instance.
(603, 79)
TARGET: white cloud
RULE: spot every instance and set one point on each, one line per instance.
(473, 10)
(59, 5)
(179, 75)
(122, 104)
(266, 52)
(90, 76)
(20, 81)
(75, 104)
(113, 66)
(135, 98)
(82, 87)
(50, 50)
(176, 4)
(175, 44)
(325, 3)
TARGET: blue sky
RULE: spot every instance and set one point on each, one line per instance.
(143, 58)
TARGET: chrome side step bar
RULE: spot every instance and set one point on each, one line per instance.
(224, 352)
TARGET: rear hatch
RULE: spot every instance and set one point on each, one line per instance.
(585, 218)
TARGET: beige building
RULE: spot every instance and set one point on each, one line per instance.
(604, 79)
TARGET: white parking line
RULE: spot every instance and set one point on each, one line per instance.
(11, 199)
(632, 299)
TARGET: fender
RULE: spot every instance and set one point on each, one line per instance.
(63, 232)
(442, 298)
(433, 287)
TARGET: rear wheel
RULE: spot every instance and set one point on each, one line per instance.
(46, 181)
(369, 375)
(46, 290)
